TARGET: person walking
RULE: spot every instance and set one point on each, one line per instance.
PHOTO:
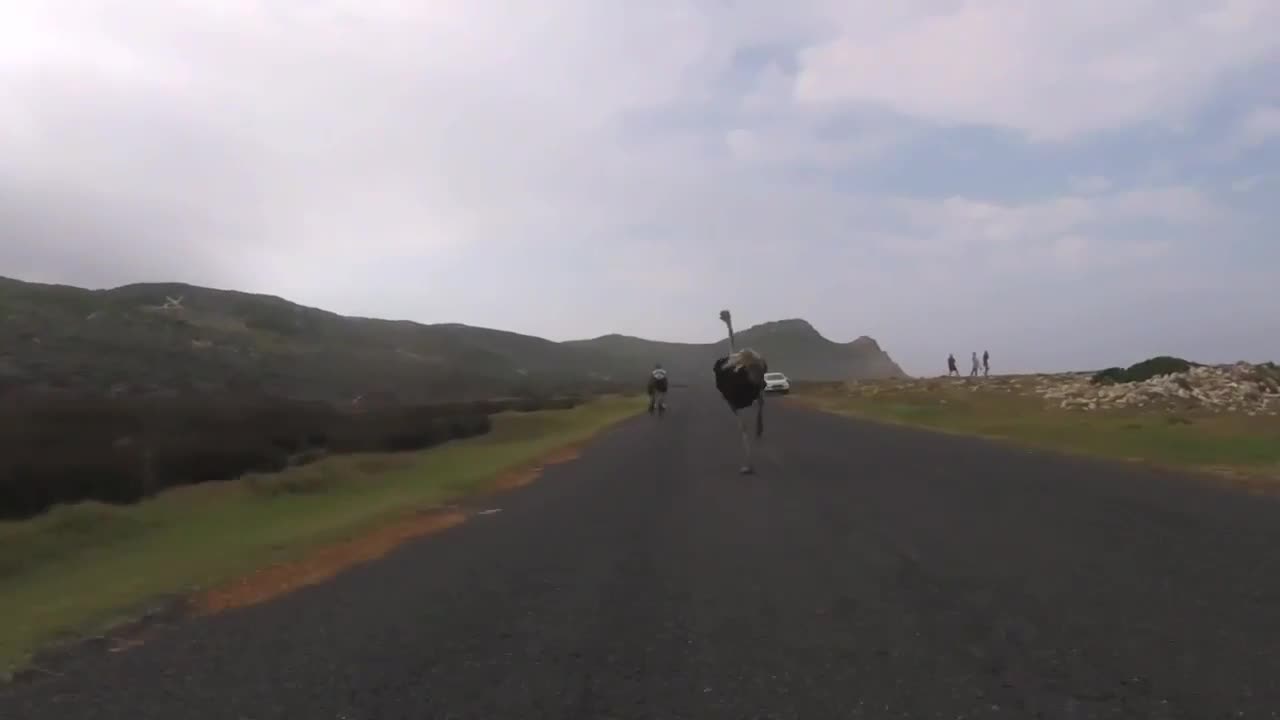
(974, 371)
(986, 364)
(951, 366)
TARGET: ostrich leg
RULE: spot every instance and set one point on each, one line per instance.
(746, 468)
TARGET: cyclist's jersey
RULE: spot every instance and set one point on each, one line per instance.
(658, 380)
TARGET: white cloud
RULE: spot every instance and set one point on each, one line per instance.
(1090, 185)
(1251, 183)
(1068, 232)
(404, 126)
(493, 162)
(1174, 204)
(1072, 251)
(1259, 126)
(1050, 70)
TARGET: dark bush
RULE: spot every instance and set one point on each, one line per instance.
(31, 484)
(469, 426)
(317, 479)
(559, 403)
(1109, 376)
(62, 449)
(1154, 367)
(206, 460)
(308, 456)
(1145, 370)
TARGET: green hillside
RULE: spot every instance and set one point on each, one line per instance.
(124, 341)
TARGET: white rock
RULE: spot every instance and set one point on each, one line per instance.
(1240, 387)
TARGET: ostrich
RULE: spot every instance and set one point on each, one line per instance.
(740, 379)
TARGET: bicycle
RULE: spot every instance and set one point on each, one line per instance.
(658, 403)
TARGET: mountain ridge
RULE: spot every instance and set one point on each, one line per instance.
(787, 324)
(133, 339)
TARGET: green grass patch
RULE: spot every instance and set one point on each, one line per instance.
(82, 568)
(1187, 439)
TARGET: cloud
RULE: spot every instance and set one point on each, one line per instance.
(985, 240)
(574, 167)
(1090, 185)
(1051, 71)
(1259, 126)
(1251, 183)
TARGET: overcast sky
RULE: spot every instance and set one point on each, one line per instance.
(1067, 184)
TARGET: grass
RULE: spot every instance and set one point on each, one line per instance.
(1187, 439)
(83, 568)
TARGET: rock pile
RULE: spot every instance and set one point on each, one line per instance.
(1243, 387)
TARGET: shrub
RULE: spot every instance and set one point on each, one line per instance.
(1109, 376)
(301, 481)
(206, 459)
(61, 449)
(1145, 370)
(308, 456)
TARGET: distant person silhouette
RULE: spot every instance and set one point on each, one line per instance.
(951, 366)
(974, 371)
(986, 364)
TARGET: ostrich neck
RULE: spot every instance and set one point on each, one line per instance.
(732, 347)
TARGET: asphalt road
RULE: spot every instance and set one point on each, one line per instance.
(865, 572)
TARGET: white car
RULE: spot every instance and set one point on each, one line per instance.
(776, 382)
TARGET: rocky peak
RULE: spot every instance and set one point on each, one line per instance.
(865, 343)
(792, 326)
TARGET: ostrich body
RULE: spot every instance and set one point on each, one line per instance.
(740, 380)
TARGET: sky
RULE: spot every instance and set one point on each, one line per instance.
(1068, 185)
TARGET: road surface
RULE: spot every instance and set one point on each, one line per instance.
(865, 572)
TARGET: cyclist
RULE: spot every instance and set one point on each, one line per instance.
(657, 389)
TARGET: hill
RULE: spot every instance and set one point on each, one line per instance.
(792, 346)
(131, 340)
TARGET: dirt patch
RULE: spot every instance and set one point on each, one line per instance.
(277, 580)
(525, 475)
(516, 479)
(1261, 482)
(316, 567)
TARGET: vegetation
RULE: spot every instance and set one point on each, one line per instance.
(124, 342)
(61, 449)
(1192, 439)
(86, 566)
(1145, 370)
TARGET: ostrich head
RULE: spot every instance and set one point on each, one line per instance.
(728, 321)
